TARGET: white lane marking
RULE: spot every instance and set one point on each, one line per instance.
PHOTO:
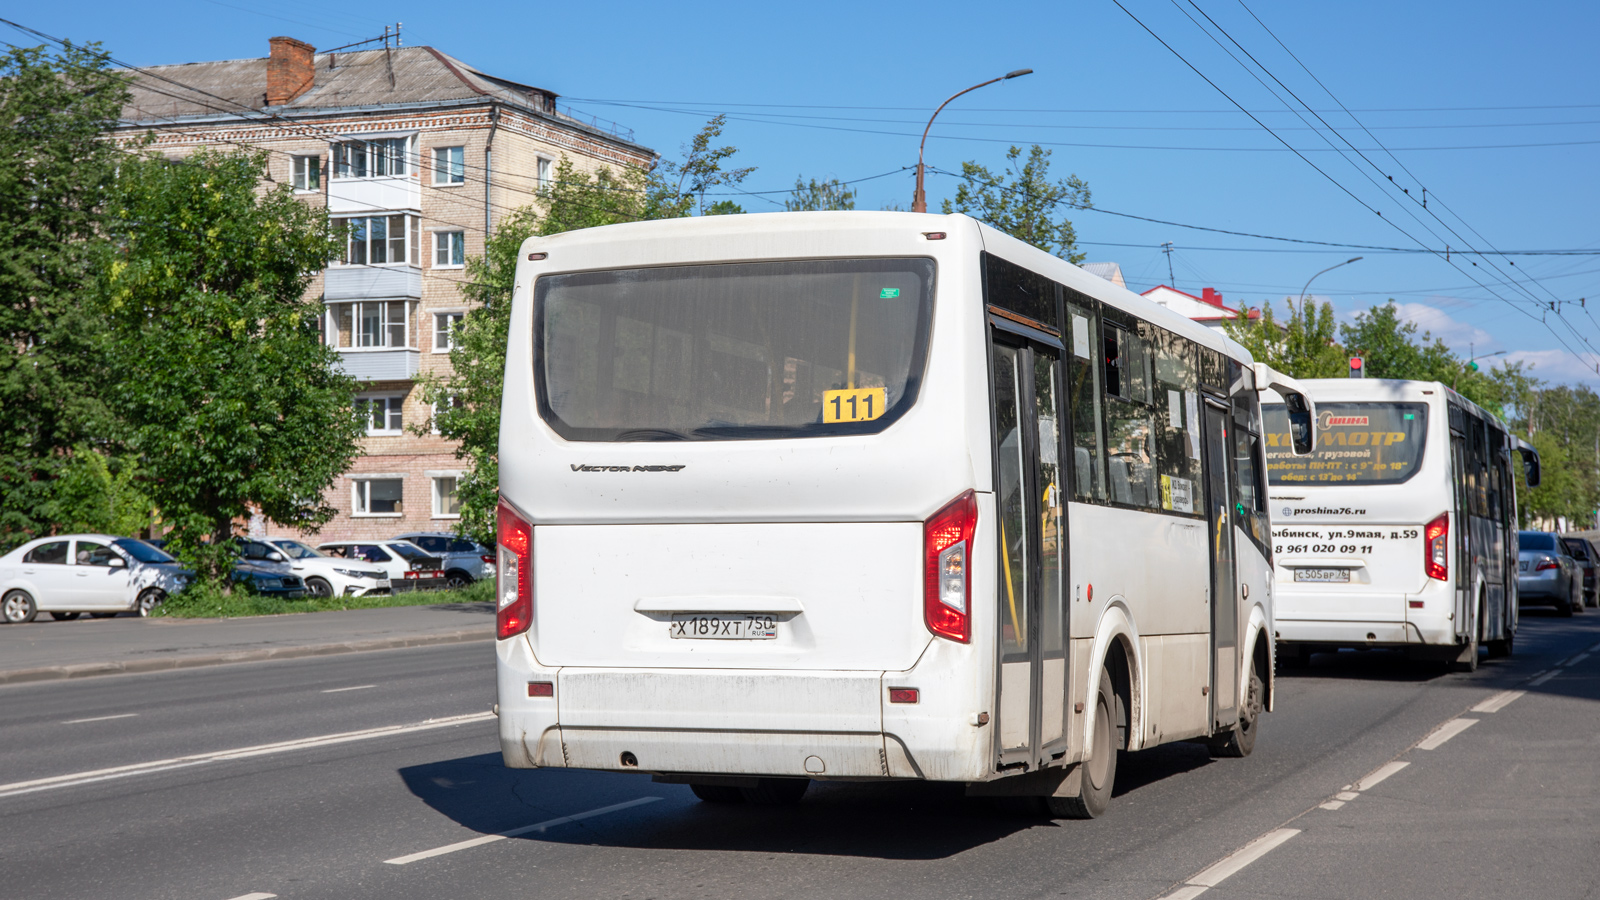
(258, 895)
(542, 826)
(1561, 663)
(1444, 733)
(359, 687)
(1187, 892)
(76, 778)
(1578, 659)
(1376, 776)
(1333, 804)
(1242, 857)
(99, 719)
(1346, 795)
(1497, 702)
(1594, 648)
(1545, 677)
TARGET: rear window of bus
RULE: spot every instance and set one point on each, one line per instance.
(1357, 443)
(725, 352)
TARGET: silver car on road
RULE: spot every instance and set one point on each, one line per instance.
(1547, 574)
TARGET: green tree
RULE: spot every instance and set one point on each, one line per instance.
(230, 396)
(1303, 346)
(100, 494)
(1395, 349)
(1022, 201)
(54, 173)
(819, 195)
(468, 399)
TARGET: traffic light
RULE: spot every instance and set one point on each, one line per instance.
(1358, 367)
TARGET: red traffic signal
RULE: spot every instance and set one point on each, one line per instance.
(1358, 367)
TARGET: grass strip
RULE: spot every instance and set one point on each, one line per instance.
(201, 602)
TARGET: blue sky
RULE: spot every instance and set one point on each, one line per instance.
(832, 89)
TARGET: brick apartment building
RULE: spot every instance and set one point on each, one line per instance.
(420, 154)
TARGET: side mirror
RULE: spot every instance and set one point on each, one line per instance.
(1530, 462)
(275, 556)
(117, 562)
(1302, 430)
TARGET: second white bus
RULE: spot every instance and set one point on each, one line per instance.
(863, 496)
(1401, 529)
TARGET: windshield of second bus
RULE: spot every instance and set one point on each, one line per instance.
(1357, 443)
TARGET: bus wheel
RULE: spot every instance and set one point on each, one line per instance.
(776, 791)
(1502, 648)
(1241, 739)
(1100, 770)
(717, 793)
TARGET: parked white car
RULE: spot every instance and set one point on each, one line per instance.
(325, 576)
(409, 567)
(68, 575)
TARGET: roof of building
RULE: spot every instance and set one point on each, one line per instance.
(1110, 271)
(342, 80)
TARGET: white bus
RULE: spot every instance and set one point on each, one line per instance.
(866, 496)
(1400, 530)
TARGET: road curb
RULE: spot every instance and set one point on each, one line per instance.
(168, 663)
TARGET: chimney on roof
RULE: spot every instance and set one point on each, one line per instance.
(1211, 296)
(291, 68)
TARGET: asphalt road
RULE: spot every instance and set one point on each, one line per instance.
(279, 778)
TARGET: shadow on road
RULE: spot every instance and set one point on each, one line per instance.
(905, 821)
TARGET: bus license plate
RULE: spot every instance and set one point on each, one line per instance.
(724, 627)
(1340, 576)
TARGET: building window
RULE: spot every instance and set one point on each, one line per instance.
(308, 173)
(381, 240)
(449, 248)
(545, 167)
(372, 325)
(371, 158)
(446, 501)
(449, 401)
(382, 415)
(449, 165)
(444, 327)
(378, 496)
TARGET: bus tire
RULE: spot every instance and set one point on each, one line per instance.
(1468, 660)
(1238, 741)
(775, 791)
(1099, 772)
(1502, 648)
(717, 793)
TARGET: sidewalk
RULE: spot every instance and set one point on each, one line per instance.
(45, 649)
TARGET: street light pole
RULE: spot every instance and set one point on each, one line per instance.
(919, 200)
(1324, 272)
(1472, 363)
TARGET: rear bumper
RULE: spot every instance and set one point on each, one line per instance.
(761, 722)
(1372, 619)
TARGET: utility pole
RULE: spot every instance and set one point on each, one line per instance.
(1172, 282)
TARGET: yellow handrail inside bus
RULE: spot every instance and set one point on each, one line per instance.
(1011, 594)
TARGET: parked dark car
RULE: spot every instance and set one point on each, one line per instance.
(1547, 574)
(1588, 561)
(464, 561)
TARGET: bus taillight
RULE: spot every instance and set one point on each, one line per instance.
(1435, 548)
(513, 574)
(947, 551)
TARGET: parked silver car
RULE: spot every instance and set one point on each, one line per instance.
(102, 575)
(1547, 574)
(464, 561)
(1588, 559)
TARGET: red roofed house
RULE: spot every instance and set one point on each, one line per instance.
(1207, 309)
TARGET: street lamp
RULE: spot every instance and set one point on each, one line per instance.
(1472, 363)
(1324, 272)
(919, 201)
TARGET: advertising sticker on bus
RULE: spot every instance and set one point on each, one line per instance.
(1359, 443)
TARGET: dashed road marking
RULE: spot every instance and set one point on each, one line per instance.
(99, 719)
(1545, 677)
(359, 687)
(1376, 776)
(1242, 857)
(1346, 795)
(1444, 733)
(258, 895)
(160, 765)
(526, 829)
(1498, 702)
(1333, 804)
(1578, 659)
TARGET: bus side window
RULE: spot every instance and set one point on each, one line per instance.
(1177, 404)
(1130, 454)
(1084, 400)
(1251, 494)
